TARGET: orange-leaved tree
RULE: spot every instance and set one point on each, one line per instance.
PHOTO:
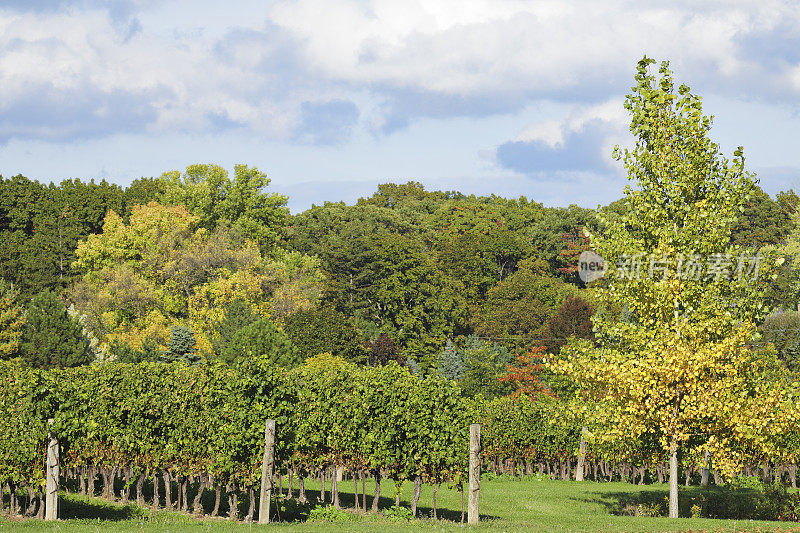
(526, 375)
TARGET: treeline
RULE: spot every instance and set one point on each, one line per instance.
(171, 267)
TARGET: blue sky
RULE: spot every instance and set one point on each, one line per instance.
(331, 97)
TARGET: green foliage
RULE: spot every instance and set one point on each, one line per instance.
(479, 257)
(211, 194)
(238, 315)
(159, 270)
(517, 310)
(261, 340)
(783, 330)
(50, 337)
(324, 330)
(485, 362)
(398, 513)
(764, 221)
(122, 352)
(679, 372)
(551, 233)
(451, 362)
(12, 320)
(182, 346)
(397, 285)
(40, 227)
(329, 513)
(785, 288)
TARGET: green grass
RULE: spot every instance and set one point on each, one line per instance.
(506, 505)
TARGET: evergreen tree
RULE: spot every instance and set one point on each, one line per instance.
(238, 315)
(51, 338)
(182, 346)
(451, 364)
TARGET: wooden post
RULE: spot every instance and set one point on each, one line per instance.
(266, 473)
(581, 456)
(474, 472)
(51, 494)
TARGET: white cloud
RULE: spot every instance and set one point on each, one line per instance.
(411, 58)
(553, 133)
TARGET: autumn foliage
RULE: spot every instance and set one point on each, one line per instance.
(526, 375)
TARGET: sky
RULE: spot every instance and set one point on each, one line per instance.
(332, 97)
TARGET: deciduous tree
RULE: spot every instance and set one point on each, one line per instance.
(679, 370)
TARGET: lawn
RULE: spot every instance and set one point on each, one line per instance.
(506, 505)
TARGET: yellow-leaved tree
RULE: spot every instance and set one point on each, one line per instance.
(675, 366)
(161, 270)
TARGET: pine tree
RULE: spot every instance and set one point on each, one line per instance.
(51, 338)
(238, 315)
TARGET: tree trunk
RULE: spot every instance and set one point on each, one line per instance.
(417, 492)
(581, 455)
(463, 502)
(301, 480)
(30, 510)
(217, 499)
(155, 491)
(377, 496)
(90, 481)
(673, 479)
(108, 474)
(363, 490)
(12, 491)
(197, 504)
(335, 489)
(251, 508)
(704, 471)
(40, 501)
(792, 468)
(125, 494)
(139, 491)
(290, 484)
(184, 499)
(322, 483)
(167, 488)
(355, 492)
(233, 501)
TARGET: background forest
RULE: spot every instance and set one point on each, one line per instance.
(206, 264)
